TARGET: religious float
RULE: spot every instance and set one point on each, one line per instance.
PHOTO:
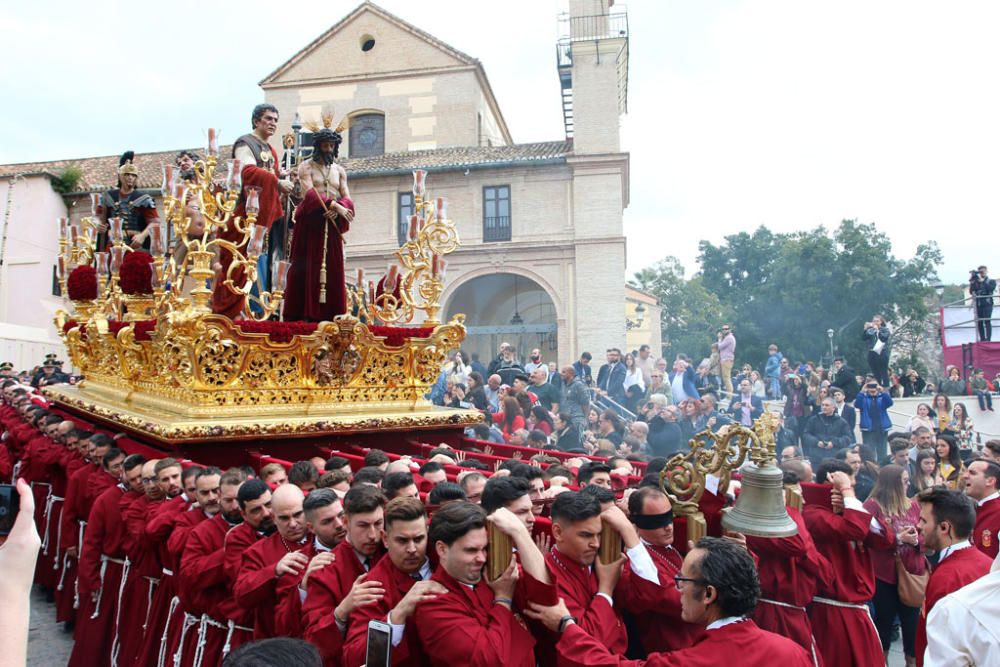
(159, 366)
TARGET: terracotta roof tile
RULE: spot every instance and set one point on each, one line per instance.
(100, 173)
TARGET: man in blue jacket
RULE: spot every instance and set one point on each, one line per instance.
(873, 405)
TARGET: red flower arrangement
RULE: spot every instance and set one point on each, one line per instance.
(82, 283)
(136, 273)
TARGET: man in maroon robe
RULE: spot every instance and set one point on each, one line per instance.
(946, 520)
(656, 607)
(844, 532)
(403, 577)
(204, 589)
(336, 579)
(260, 169)
(478, 622)
(586, 584)
(790, 569)
(324, 515)
(102, 566)
(206, 491)
(269, 559)
(982, 478)
(719, 589)
(316, 289)
(144, 564)
(164, 617)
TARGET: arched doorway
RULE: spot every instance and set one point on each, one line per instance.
(506, 307)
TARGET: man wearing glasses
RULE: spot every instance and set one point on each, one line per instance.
(718, 588)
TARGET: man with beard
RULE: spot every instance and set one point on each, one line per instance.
(334, 590)
(324, 515)
(946, 521)
(270, 559)
(102, 563)
(164, 617)
(316, 290)
(404, 574)
(136, 210)
(206, 491)
(259, 162)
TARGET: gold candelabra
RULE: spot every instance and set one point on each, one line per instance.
(416, 281)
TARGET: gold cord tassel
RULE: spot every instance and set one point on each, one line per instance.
(322, 267)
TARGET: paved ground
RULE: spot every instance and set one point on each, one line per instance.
(50, 646)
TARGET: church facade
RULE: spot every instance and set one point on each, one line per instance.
(542, 262)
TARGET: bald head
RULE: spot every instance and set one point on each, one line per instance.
(286, 505)
(149, 485)
(64, 428)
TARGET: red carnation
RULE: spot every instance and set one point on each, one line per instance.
(82, 283)
(136, 273)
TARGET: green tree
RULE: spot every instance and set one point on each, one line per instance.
(791, 288)
(691, 313)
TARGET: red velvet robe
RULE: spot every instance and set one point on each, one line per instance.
(175, 548)
(96, 623)
(302, 293)
(464, 627)
(789, 569)
(224, 301)
(577, 586)
(958, 569)
(846, 637)
(35, 472)
(740, 644)
(288, 620)
(657, 608)
(205, 589)
(67, 531)
(396, 584)
(325, 589)
(144, 574)
(256, 585)
(161, 617)
(986, 534)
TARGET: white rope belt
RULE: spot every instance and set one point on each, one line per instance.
(153, 582)
(167, 572)
(229, 636)
(79, 550)
(782, 604)
(229, 627)
(189, 621)
(166, 630)
(55, 556)
(838, 603)
(62, 575)
(105, 559)
(50, 500)
(115, 644)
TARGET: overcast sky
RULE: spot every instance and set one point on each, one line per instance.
(742, 113)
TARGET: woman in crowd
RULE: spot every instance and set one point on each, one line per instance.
(567, 438)
(949, 461)
(954, 385)
(759, 389)
(593, 421)
(926, 472)
(888, 501)
(691, 421)
(510, 418)
(961, 427)
(476, 394)
(744, 374)
(635, 387)
(941, 414)
(922, 418)
(540, 419)
(611, 427)
(814, 402)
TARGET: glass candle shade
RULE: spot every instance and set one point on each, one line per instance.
(234, 175)
(115, 230)
(281, 275)
(101, 264)
(63, 227)
(253, 200)
(256, 243)
(213, 142)
(117, 256)
(419, 177)
(169, 179)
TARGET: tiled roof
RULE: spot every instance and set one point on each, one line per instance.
(100, 173)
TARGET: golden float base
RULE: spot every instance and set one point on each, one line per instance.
(90, 400)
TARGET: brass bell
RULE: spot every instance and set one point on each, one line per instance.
(760, 508)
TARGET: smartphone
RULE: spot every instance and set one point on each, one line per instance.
(379, 652)
(10, 503)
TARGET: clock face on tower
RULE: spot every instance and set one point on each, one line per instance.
(367, 135)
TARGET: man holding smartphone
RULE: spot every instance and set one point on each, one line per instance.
(873, 405)
(405, 576)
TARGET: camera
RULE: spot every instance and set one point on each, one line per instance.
(10, 502)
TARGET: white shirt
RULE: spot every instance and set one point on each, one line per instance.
(397, 630)
(723, 622)
(853, 503)
(992, 496)
(964, 627)
(949, 550)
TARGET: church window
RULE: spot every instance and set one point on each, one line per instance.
(405, 208)
(496, 213)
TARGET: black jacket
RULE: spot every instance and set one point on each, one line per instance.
(664, 438)
(844, 379)
(820, 428)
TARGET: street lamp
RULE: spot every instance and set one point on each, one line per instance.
(829, 334)
(640, 315)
